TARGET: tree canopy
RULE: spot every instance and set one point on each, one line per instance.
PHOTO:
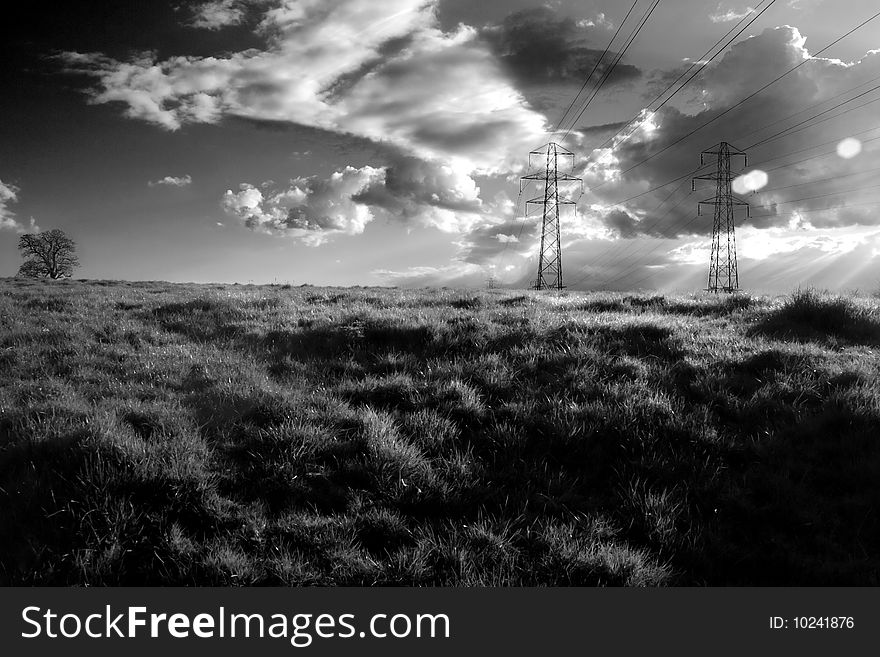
(47, 255)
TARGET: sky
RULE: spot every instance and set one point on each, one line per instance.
(382, 142)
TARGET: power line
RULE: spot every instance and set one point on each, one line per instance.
(811, 198)
(688, 175)
(750, 96)
(810, 211)
(786, 132)
(790, 130)
(654, 211)
(808, 108)
(762, 162)
(608, 72)
(596, 65)
(816, 182)
(550, 273)
(702, 66)
(818, 155)
(607, 254)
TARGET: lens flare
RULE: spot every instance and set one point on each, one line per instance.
(750, 182)
(849, 148)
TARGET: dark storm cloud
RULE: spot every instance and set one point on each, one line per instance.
(536, 45)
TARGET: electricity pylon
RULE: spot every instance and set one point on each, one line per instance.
(550, 255)
(723, 273)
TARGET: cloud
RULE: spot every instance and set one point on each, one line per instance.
(311, 210)
(536, 45)
(623, 223)
(599, 21)
(172, 181)
(433, 194)
(378, 69)
(456, 274)
(217, 14)
(729, 15)
(603, 130)
(9, 195)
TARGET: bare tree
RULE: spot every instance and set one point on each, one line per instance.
(47, 255)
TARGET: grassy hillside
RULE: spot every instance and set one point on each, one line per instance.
(165, 434)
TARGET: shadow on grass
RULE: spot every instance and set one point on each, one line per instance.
(805, 510)
(715, 306)
(335, 341)
(811, 316)
(200, 319)
(641, 340)
(76, 512)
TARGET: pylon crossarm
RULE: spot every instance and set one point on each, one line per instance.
(540, 201)
(560, 177)
(560, 150)
(732, 150)
(710, 177)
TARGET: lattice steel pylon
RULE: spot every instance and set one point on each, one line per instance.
(550, 255)
(723, 272)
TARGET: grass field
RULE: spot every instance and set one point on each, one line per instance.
(153, 433)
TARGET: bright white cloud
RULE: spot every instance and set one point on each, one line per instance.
(762, 244)
(599, 21)
(729, 15)
(456, 274)
(311, 210)
(9, 195)
(172, 181)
